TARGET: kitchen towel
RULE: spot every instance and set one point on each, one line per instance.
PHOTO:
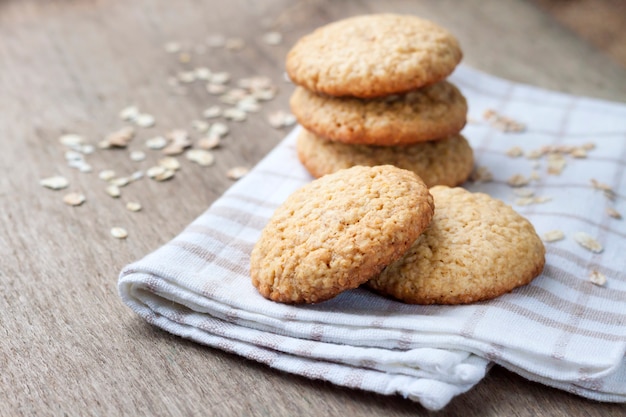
(558, 159)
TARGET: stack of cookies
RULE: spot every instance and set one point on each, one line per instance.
(372, 90)
(381, 133)
(382, 227)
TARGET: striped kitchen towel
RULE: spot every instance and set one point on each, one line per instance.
(557, 159)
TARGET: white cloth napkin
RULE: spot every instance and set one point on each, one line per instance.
(561, 330)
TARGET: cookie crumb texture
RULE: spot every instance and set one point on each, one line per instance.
(338, 231)
(476, 248)
(448, 161)
(373, 55)
(430, 113)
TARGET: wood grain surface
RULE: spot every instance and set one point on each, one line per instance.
(68, 346)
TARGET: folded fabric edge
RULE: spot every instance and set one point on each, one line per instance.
(605, 389)
(432, 394)
(448, 365)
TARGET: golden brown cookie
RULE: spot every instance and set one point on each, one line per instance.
(432, 112)
(475, 248)
(338, 231)
(447, 161)
(373, 55)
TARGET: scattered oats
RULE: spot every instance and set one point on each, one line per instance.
(527, 201)
(71, 139)
(523, 201)
(586, 241)
(579, 153)
(235, 114)
(156, 143)
(257, 82)
(553, 236)
(201, 157)
(213, 88)
(145, 120)
(562, 149)
(155, 170)
(74, 199)
(200, 125)
(186, 76)
(220, 77)
(219, 129)
(184, 57)
(613, 213)
(56, 182)
(129, 113)
(233, 96)
(518, 180)
(597, 278)
(137, 156)
(535, 176)
(180, 138)
(113, 190)
(120, 182)
(173, 149)
(216, 41)
(600, 185)
(234, 44)
(212, 112)
(79, 163)
(84, 167)
(164, 176)
(73, 156)
(515, 152)
(489, 114)
(523, 192)
(119, 233)
(481, 174)
(265, 94)
(120, 138)
(534, 154)
(273, 38)
(249, 104)
(556, 163)
(106, 175)
(133, 206)
(605, 188)
(202, 73)
(209, 142)
(172, 47)
(588, 146)
(135, 176)
(503, 123)
(168, 162)
(236, 173)
(281, 118)
(609, 194)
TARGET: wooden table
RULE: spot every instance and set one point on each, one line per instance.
(68, 346)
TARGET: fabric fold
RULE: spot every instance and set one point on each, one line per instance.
(561, 330)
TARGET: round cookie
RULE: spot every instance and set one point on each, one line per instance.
(338, 231)
(373, 55)
(432, 112)
(475, 248)
(448, 161)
